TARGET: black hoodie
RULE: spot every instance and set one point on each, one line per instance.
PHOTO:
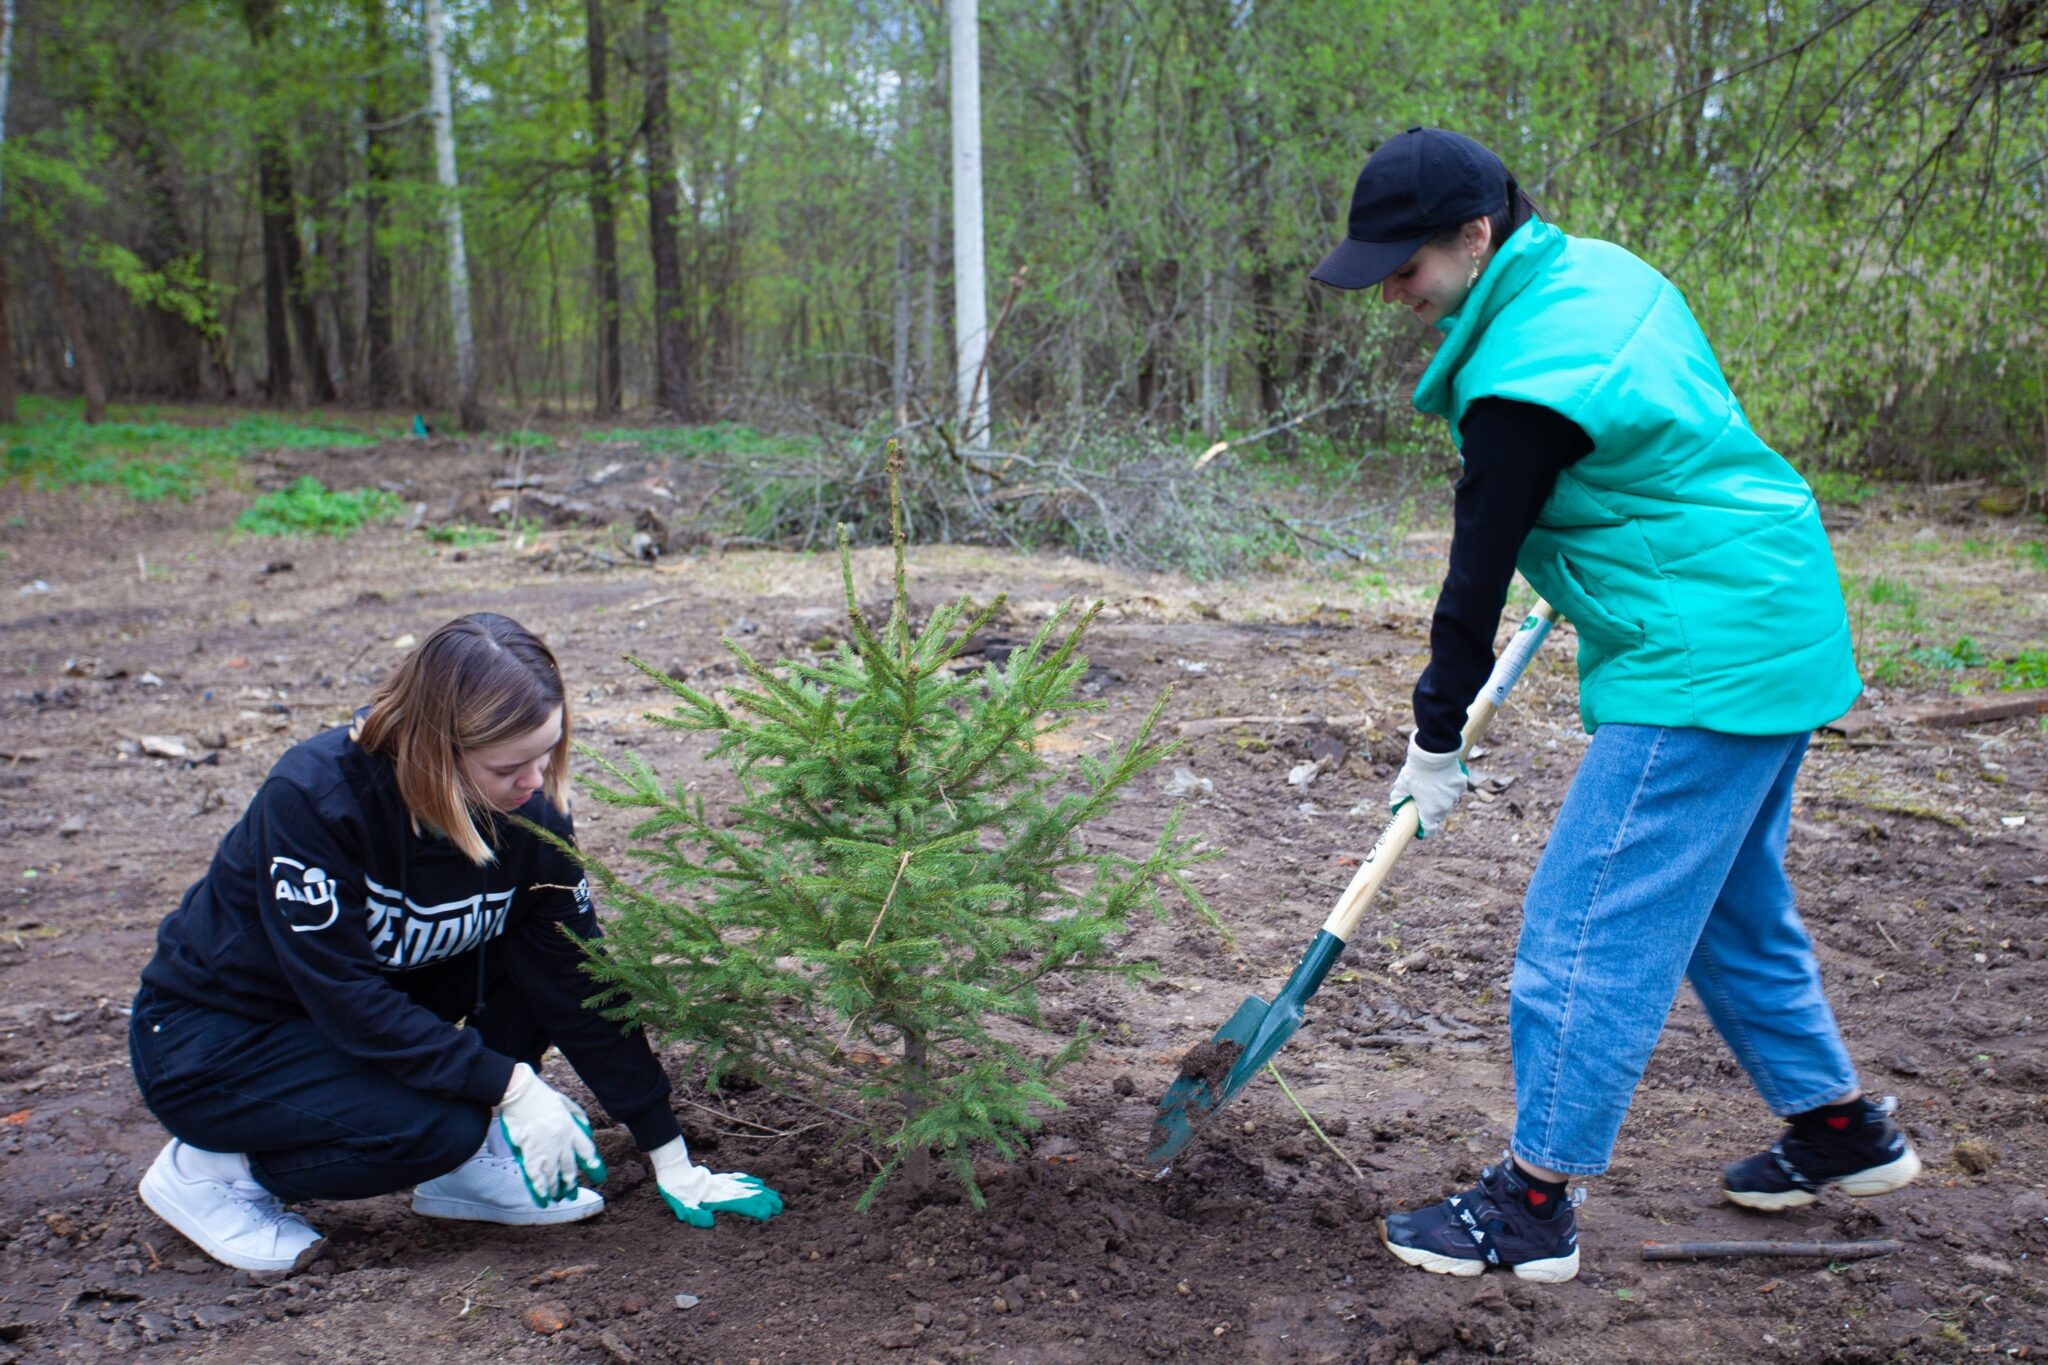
(322, 899)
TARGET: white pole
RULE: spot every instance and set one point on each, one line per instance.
(970, 288)
(451, 214)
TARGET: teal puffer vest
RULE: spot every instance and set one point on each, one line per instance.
(1687, 553)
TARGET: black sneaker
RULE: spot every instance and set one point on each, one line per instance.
(1867, 1155)
(1489, 1225)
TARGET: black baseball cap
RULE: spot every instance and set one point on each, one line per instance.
(1414, 186)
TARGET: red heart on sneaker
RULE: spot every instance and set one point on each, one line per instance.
(1838, 1121)
(1538, 1197)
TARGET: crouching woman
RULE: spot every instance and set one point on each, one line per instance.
(296, 1030)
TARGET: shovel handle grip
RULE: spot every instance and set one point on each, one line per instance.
(1401, 829)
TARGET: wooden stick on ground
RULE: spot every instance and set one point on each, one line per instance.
(1817, 1251)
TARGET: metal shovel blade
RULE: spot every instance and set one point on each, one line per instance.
(1213, 1072)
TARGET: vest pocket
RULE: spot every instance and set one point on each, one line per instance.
(1596, 625)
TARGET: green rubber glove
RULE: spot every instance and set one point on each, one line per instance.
(696, 1193)
(549, 1135)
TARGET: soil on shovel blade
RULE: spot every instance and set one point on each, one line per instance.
(1210, 1062)
(166, 667)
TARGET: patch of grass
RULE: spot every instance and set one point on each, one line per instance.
(309, 508)
(2034, 554)
(1891, 592)
(1844, 490)
(147, 458)
(464, 535)
(716, 438)
(2028, 668)
(1952, 658)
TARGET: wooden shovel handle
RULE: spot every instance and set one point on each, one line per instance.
(1400, 830)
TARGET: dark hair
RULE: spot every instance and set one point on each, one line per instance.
(477, 681)
(1519, 209)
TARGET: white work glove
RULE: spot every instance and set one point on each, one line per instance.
(697, 1192)
(549, 1135)
(1434, 782)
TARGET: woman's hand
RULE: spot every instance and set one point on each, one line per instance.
(696, 1192)
(550, 1137)
(1433, 781)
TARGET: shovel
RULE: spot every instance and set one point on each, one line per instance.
(1212, 1072)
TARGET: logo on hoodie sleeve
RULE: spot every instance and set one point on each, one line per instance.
(306, 895)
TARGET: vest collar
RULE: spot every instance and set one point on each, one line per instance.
(1527, 253)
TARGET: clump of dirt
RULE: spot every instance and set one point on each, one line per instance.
(1210, 1061)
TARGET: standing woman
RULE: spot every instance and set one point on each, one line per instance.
(1605, 457)
(296, 1029)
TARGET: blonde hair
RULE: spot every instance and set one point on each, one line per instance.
(480, 680)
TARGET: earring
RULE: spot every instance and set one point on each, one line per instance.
(1473, 278)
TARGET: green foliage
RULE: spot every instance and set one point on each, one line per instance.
(54, 447)
(2034, 554)
(309, 508)
(1834, 486)
(464, 534)
(872, 920)
(1885, 591)
(2028, 668)
(1952, 658)
(1849, 196)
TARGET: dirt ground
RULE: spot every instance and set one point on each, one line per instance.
(1919, 851)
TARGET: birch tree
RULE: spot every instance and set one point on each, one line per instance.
(970, 285)
(470, 412)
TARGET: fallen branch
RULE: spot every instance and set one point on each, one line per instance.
(1812, 1251)
(1976, 710)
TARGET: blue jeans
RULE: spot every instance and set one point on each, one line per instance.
(1668, 862)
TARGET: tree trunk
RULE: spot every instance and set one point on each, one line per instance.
(277, 341)
(469, 410)
(82, 353)
(917, 1159)
(273, 190)
(900, 286)
(382, 360)
(604, 229)
(312, 350)
(7, 412)
(970, 286)
(672, 391)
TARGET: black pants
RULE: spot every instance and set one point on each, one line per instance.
(316, 1123)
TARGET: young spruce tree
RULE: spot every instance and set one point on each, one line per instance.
(902, 870)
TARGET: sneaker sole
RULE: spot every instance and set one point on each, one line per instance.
(1893, 1175)
(157, 1193)
(468, 1211)
(1555, 1270)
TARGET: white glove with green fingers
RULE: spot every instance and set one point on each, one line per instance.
(1434, 782)
(697, 1192)
(550, 1137)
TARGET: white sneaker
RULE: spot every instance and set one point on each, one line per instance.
(488, 1188)
(233, 1219)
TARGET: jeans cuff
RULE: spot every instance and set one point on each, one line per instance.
(1832, 1095)
(1551, 1163)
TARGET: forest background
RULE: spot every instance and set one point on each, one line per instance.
(698, 209)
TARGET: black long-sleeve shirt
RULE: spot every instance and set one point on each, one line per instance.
(322, 900)
(1513, 454)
